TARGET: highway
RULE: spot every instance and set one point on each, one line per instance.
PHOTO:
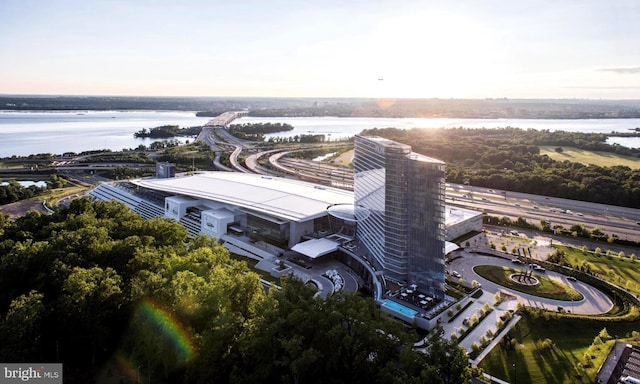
(611, 219)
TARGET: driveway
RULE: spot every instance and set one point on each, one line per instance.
(594, 302)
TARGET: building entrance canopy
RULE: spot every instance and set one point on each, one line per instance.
(316, 247)
(450, 247)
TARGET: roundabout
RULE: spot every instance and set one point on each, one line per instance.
(588, 301)
(527, 282)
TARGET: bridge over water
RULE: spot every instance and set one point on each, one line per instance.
(225, 119)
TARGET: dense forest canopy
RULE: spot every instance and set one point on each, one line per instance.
(95, 286)
(510, 159)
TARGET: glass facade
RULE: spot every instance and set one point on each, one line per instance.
(404, 195)
(426, 202)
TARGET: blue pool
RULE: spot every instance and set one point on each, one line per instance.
(399, 308)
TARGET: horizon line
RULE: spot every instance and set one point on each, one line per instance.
(43, 95)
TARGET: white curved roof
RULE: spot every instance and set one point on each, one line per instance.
(285, 198)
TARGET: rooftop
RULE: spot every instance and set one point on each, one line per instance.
(286, 198)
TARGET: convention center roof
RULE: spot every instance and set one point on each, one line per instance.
(285, 198)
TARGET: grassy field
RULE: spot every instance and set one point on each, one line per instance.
(621, 271)
(344, 158)
(548, 288)
(565, 363)
(605, 159)
(562, 364)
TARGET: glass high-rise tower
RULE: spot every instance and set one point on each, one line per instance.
(404, 195)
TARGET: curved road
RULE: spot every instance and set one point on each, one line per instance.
(594, 302)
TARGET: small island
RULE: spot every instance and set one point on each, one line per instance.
(256, 131)
(166, 131)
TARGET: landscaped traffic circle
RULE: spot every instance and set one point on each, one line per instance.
(545, 287)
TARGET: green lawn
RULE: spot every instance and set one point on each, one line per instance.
(565, 363)
(604, 159)
(571, 338)
(547, 288)
(623, 272)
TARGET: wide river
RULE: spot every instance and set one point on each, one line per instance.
(23, 133)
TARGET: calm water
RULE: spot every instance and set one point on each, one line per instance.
(25, 133)
(335, 127)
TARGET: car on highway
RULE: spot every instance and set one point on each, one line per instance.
(516, 261)
(571, 278)
(538, 268)
(456, 274)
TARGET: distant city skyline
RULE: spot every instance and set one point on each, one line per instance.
(376, 49)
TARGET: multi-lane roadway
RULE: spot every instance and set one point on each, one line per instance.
(611, 219)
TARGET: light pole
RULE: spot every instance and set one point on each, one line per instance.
(514, 374)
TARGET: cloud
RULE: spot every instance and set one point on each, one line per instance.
(622, 71)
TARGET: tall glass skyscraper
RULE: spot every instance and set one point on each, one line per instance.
(404, 195)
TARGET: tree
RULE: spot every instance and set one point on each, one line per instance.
(21, 329)
(90, 305)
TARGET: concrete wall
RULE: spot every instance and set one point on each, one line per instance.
(462, 227)
(299, 229)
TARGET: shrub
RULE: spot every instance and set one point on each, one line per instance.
(604, 334)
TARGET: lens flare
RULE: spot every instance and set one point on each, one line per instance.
(169, 327)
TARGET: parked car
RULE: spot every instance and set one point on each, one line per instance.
(456, 274)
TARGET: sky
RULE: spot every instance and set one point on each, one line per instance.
(585, 49)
